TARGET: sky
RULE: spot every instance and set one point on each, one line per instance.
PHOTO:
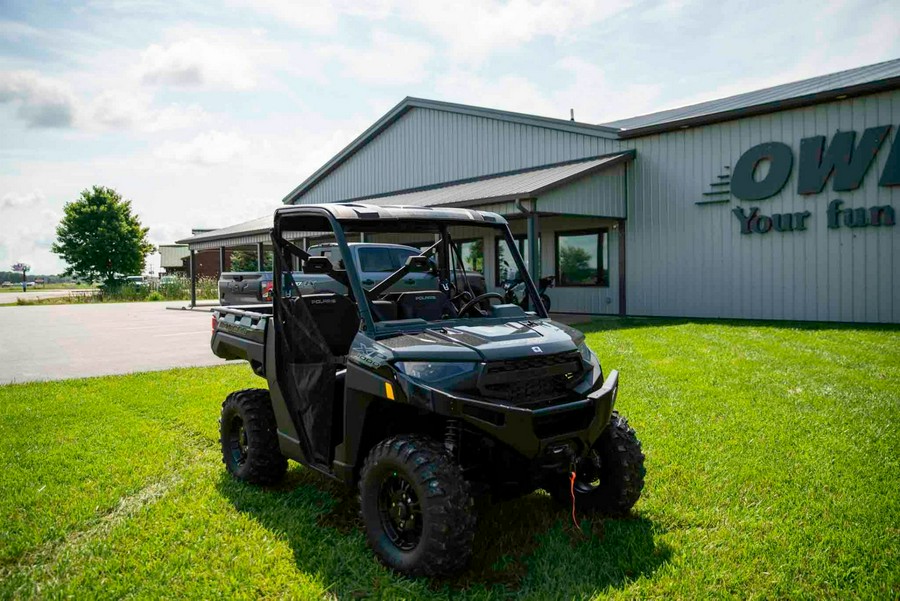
(205, 114)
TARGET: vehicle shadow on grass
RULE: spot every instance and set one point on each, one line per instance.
(528, 545)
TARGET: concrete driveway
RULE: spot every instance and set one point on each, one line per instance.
(54, 342)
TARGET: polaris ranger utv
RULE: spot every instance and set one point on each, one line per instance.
(422, 399)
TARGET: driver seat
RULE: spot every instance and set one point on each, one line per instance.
(430, 305)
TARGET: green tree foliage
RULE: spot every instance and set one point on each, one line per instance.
(575, 265)
(100, 238)
(242, 260)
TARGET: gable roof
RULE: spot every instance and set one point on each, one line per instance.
(834, 86)
(409, 103)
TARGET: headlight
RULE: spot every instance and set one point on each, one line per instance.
(586, 353)
(435, 372)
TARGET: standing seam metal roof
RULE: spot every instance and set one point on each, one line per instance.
(504, 187)
(887, 73)
(524, 184)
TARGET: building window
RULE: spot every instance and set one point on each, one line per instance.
(472, 254)
(504, 266)
(582, 258)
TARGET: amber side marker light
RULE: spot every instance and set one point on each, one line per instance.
(389, 390)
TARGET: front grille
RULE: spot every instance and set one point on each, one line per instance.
(531, 381)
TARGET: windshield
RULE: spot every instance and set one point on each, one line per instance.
(406, 275)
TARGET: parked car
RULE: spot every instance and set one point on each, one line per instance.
(374, 262)
(6, 285)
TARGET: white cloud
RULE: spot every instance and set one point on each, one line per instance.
(128, 109)
(14, 201)
(475, 29)
(208, 148)
(198, 62)
(588, 90)
(41, 102)
(319, 16)
(388, 59)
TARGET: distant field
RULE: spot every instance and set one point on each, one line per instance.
(773, 458)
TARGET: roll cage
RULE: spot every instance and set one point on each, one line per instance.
(339, 220)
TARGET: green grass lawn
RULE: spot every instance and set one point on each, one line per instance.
(773, 458)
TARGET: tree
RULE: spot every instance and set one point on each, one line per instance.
(241, 260)
(575, 264)
(100, 238)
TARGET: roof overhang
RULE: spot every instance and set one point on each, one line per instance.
(443, 202)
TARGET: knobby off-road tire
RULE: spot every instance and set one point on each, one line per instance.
(249, 438)
(546, 300)
(615, 486)
(417, 507)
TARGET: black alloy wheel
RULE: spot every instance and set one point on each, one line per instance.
(400, 512)
(417, 507)
(248, 435)
(237, 440)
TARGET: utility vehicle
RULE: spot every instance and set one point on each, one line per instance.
(423, 400)
(373, 261)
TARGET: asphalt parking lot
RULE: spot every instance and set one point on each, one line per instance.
(55, 342)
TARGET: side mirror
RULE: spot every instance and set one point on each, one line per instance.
(418, 264)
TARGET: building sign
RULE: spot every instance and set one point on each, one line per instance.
(843, 161)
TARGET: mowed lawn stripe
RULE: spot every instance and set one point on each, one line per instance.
(772, 456)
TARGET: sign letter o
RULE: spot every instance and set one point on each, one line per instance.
(743, 182)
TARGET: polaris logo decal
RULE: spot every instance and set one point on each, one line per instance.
(323, 301)
(424, 298)
(536, 349)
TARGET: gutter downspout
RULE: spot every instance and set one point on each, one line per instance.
(534, 263)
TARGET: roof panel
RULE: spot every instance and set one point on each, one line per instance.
(525, 184)
(833, 82)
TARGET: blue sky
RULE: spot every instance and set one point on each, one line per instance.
(206, 114)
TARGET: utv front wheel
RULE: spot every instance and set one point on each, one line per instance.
(610, 479)
(416, 507)
(249, 438)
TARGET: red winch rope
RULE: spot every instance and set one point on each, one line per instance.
(572, 491)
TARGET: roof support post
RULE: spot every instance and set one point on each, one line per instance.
(260, 256)
(620, 230)
(534, 259)
(193, 266)
(221, 261)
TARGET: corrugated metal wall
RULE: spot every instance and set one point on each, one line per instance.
(690, 260)
(428, 146)
(601, 195)
(682, 259)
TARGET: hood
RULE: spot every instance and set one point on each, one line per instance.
(485, 342)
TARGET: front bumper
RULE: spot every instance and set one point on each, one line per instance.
(548, 434)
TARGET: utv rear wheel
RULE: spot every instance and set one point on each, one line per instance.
(417, 507)
(249, 438)
(610, 479)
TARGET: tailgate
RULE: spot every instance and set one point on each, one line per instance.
(241, 288)
(240, 334)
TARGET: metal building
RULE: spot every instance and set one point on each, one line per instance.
(775, 204)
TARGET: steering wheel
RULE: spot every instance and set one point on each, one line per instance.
(472, 303)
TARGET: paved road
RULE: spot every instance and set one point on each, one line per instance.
(9, 298)
(54, 342)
